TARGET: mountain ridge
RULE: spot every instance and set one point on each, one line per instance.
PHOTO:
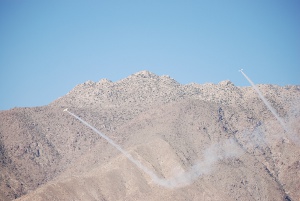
(143, 80)
(145, 113)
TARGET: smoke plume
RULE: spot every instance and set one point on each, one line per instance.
(212, 155)
(266, 102)
(290, 131)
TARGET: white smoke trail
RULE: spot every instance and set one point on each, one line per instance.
(211, 155)
(129, 156)
(266, 102)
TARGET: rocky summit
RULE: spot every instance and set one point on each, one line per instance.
(178, 142)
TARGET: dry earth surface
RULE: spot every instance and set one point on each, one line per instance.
(203, 142)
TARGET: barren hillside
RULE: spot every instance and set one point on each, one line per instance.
(200, 141)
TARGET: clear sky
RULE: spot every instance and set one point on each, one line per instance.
(48, 47)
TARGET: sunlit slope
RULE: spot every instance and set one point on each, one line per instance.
(218, 141)
(172, 143)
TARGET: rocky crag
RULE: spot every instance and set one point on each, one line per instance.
(172, 129)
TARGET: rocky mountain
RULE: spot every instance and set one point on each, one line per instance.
(194, 142)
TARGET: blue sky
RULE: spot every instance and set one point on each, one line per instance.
(48, 47)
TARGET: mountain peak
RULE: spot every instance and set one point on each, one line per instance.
(104, 80)
(226, 83)
(145, 74)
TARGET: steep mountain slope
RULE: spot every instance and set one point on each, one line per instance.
(205, 142)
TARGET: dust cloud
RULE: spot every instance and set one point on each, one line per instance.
(213, 154)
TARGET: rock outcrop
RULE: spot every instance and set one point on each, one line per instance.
(46, 154)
